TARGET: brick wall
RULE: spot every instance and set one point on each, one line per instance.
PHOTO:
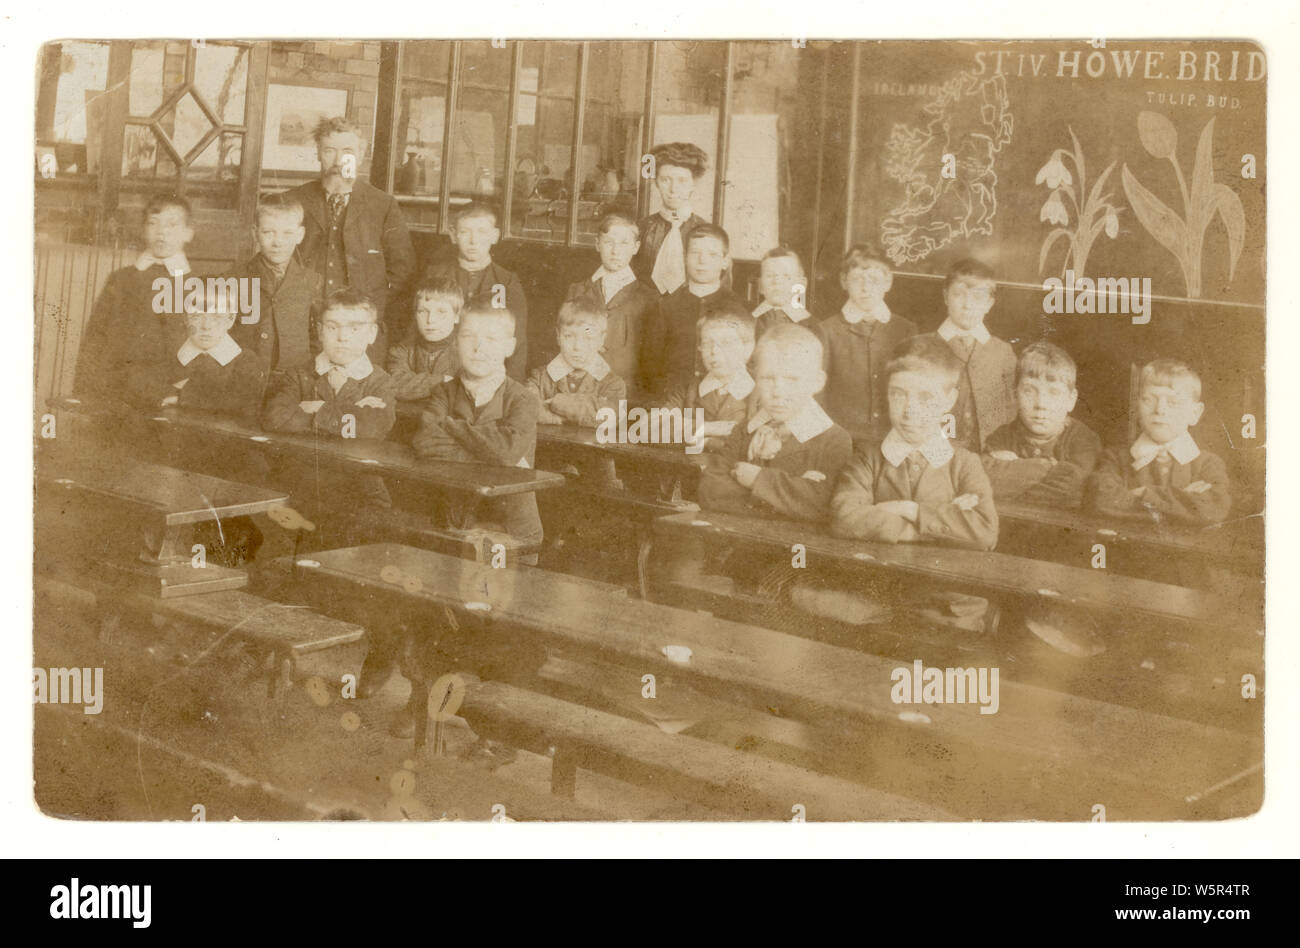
(342, 65)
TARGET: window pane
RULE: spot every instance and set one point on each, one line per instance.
(221, 80)
(544, 146)
(485, 66)
(422, 112)
(478, 146)
(763, 112)
(688, 89)
(186, 125)
(610, 161)
(71, 106)
(219, 161)
(157, 69)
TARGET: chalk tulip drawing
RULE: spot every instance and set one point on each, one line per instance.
(1185, 236)
(1096, 215)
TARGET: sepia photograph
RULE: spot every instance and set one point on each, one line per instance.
(649, 430)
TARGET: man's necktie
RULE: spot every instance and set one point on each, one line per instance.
(670, 266)
(965, 346)
(336, 204)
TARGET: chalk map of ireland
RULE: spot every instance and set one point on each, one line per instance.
(971, 120)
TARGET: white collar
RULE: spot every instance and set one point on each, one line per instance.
(808, 423)
(559, 368)
(224, 351)
(854, 314)
(739, 387)
(358, 369)
(708, 288)
(937, 449)
(797, 313)
(1182, 449)
(950, 331)
(177, 262)
(483, 390)
(612, 283)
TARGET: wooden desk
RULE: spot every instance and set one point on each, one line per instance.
(385, 458)
(971, 571)
(1066, 748)
(162, 502)
(1237, 546)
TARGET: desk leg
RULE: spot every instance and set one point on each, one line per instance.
(643, 561)
(419, 706)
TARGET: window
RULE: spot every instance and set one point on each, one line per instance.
(544, 115)
(421, 120)
(609, 163)
(558, 129)
(70, 107)
(477, 167)
(185, 107)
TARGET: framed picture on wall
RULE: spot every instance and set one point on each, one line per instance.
(291, 114)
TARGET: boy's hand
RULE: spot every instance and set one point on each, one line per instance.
(311, 407)
(171, 400)
(745, 473)
(547, 417)
(764, 445)
(816, 477)
(179, 385)
(967, 501)
(1004, 456)
(907, 509)
(370, 401)
(1198, 487)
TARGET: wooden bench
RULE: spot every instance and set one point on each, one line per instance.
(1071, 749)
(160, 504)
(744, 786)
(279, 633)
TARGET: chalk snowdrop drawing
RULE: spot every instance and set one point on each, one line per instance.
(1184, 236)
(1096, 215)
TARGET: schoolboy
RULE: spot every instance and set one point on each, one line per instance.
(484, 415)
(779, 273)
(785, 459)
(1164, 474)
(1043, 457)
(339, 392)
(668, 350)
(661, 258)
(209, 371)
(426, 356)
(474, 232)
(986, 393)
(725, 392)
(859, 342)
(578, 382)
(125, 336)
(289, 293)
(916, 486)
(614, 287)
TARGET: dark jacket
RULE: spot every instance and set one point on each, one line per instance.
(124, 337)
(855, 356)
(669, 340)
(285, 331)
(379, 257)
(479, 288)
(1111, 486)
(503, 431)
(628, 313)
(1031, 478)
(781, 487)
